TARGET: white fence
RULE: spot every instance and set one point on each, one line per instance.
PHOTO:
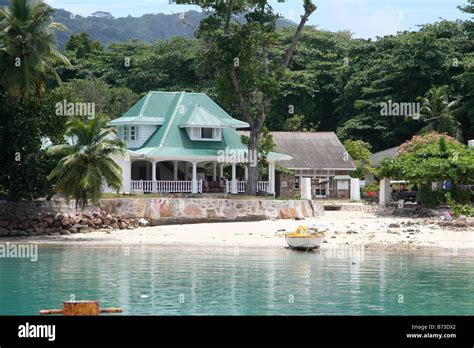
(150, 186)
(242, 186)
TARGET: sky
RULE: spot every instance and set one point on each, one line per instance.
(364, 18)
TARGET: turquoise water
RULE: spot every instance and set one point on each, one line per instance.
(157, 280)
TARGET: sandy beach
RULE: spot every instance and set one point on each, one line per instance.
(342, 228)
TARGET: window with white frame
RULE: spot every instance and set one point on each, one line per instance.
(133, 133)
(129, 133)
(205, 133)
(124, 133)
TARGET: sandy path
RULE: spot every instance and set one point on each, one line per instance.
(342, 229)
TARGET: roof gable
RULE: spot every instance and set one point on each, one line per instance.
(198, 116)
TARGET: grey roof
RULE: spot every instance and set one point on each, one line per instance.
(377, 157)
(313, 150)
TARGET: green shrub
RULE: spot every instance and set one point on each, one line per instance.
(459, 209)
(372, 187)
(430, 198)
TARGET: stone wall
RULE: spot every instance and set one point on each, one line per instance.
(57, 217)
(190, 210)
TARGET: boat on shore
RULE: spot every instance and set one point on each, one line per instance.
(304, 238)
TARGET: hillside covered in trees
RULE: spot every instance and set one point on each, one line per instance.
(105, 28)
(333, 82)
(336, 83)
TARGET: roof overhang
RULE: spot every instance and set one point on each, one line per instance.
(203, 126)
(145, 121)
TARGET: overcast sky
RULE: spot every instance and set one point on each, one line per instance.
(364, 18)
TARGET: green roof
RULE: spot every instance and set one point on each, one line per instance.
(147, 110)
(173, 113)
(157, 107)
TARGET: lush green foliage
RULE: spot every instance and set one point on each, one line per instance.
(150, 27)
(459, 209)
(28, 48)
(432, 158)
(246, 70)
(438, 112)
(335, 82)
(372, 187)
(87, 164)
(360, 153)
(27, 119)
(82, 45)
(109, 102)
(25, 166)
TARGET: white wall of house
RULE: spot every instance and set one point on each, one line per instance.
(143, 133)
(126, 164)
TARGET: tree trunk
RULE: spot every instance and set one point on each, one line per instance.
(254, 138)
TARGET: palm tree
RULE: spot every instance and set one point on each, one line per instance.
(28, 47)
(438, 112)
(87, 165)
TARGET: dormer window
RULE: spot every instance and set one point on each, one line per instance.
(205, 133)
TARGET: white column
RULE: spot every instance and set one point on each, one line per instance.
(355, 189)
(305, 188)
(246, 169)
(153, 176)
(214, 172)
(194, 180)
(153, 171)
(234, 179)
(175, 170)
(385, 194)
(271, 177)
(221, 171)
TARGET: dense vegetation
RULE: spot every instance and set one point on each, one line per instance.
(333, 83)
(433, 158)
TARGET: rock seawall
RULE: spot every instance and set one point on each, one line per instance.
(56, 217)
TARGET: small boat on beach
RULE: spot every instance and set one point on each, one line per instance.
(305, 238)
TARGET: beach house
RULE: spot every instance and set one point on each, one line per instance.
(319, 156)
(181, 142)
